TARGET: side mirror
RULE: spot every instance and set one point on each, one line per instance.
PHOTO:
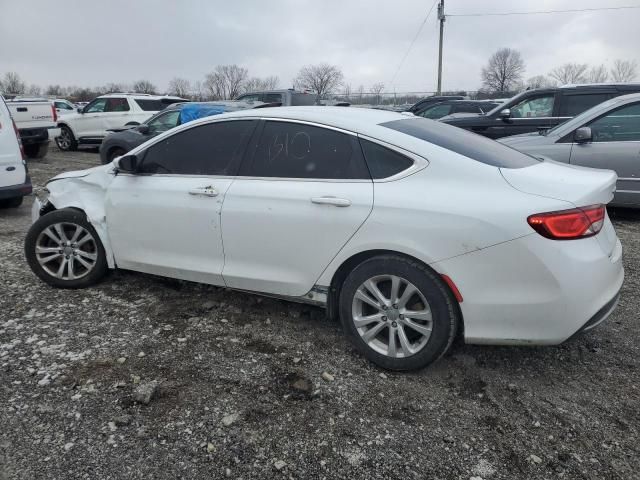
(582, 135)
(143, 129)
(127, 163)
(81, 110)
(505, 113)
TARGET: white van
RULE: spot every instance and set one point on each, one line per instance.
(14, 179)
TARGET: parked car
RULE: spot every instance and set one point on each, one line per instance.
(64, 107)
(425, 102)
(286, 98)
(126, 138)
(436, 111)
(14, 178)
(93, 121)
(605, 136)
(463, 230)
(541, 108)
(36, 120)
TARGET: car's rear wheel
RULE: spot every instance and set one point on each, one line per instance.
(36, 150)
(64, 250)
(398, 312)
(66, 141)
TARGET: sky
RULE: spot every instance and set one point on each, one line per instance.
(94, 42)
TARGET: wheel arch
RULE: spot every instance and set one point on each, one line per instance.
(94, 213)
(356, 259)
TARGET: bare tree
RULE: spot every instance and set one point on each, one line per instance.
(570, 73)
(197, 91)
(538, 81)
(597, 74)
(360, 92)
(179, 87)
(12, 83)
(377, 89)
(256, 84)
(112, 88)
(504, 70)
(144, 86)
(320, 79)
(34, 90)
(624, 70)
(54, 90)
(226, 81)
(347, 91)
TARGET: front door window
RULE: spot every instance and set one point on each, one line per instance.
(534, 107)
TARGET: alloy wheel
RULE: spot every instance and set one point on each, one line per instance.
(66, 251)
(392, 316)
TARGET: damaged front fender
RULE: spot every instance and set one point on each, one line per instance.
(85, 190)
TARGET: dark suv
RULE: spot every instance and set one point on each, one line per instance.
(541, 109)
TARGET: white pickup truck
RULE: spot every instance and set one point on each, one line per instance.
(36, 120)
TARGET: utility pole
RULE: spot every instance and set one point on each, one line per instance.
(441, 19)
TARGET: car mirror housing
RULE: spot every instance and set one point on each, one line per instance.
(505, 113)
(80, 110)
(582, 135)
(127, 164)
(143, 129)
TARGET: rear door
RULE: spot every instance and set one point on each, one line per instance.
(296, 202)
(529, 115)
(615, 145)
(115, 113)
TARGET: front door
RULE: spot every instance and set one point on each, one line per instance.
(91, 124)
(165, 219)
(615, 145)
(527, 116)
(303, 195)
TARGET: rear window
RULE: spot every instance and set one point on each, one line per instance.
(465, 143)
(149, 105)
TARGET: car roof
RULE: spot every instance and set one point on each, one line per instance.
(142, 96)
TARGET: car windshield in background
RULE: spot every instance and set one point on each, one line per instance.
(465, 143)
(149, 105)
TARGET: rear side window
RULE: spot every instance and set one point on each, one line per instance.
(151, 105)
(465, 143)
(295, 150)
(383, 162)
(573, 105)
(212, 149)
(272, 97)
(117, 105)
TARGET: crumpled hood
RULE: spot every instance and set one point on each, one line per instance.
(102, 171)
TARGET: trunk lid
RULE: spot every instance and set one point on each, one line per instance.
(580, 186)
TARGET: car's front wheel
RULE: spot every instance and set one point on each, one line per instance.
(398, 312)
(64, 250)
(66, 141)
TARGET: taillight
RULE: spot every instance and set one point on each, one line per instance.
(55, 113)
(571, 224)
(15, 129)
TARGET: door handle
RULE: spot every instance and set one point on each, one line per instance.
(204, 191)
(336, 202)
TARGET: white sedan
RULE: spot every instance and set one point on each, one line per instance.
(411, 231)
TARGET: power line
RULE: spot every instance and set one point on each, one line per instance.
(540, 12)
(413, 42)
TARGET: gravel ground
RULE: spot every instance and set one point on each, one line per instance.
(146, 377)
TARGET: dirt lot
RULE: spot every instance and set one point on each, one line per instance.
(145, 377)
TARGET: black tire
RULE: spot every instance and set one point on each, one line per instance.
(14, 202)
(115, 152)
(36, 150)
(69, 219)
(444, 310)
(66, 141)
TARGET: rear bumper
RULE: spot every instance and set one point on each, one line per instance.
(535, 291)
(30, 136)
(14, 191)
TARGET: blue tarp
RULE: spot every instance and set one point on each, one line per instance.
(194, 111)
